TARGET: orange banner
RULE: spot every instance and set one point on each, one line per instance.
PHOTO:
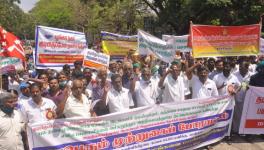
(50, 58)
(208, 41)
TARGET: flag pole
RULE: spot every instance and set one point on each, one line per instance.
(1, 87)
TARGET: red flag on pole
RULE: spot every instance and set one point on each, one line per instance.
(11, 45)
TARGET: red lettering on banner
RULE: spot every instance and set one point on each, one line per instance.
(63, 37)
(259, 100)
(260, 111)
(118, 142)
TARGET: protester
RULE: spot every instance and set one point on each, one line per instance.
(258, 78)
(243, 76)
(38, 108)
(173, 84)
(219, 69)
(98, 90)
(127, 74)
(145, 90)
(55, 93)
(118, 98)
(77, 104)
(201, 85)
(25, 91)
(226, 80)
(11, 123)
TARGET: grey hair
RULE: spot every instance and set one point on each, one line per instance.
(5, 96)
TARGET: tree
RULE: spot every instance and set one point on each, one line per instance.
(175, 15)
(54, 13)
(12, 18)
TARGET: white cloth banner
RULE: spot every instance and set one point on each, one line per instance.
(57, 47)
(95, 60)
(252, 121)
(149, 44)
(186, 125)
(10, 64)
(179, 43)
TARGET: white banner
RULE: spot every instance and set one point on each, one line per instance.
(187, 125)
(261, 48)
(95, 60)
(57, 47)
(10, 64)
(179, 43)
(252, 121)
(149, 44)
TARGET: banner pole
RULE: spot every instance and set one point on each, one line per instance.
(1, 87)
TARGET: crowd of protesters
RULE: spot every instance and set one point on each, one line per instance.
(36, 95)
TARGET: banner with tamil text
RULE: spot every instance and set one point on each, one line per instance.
(252, 120)
(187, 125)
(149, 44)
(117, 45)
(179, 43)
(57, 47)
(10, 65)
(95, 60)
(210, 41)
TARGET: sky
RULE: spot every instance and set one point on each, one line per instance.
(27, 5)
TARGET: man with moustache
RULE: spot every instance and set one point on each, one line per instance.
(173, 84)
(77, 104)
(117, 98)
(202, 86)
(38, 108)
(11, 123)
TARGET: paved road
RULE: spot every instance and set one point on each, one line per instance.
(239, 143)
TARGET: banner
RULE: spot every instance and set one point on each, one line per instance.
(10, 65)
(117, 45)
(252, 121)
(188, 125)
(95, 60)
(149, 44)
(57, 47)
(261, 51)
(179, 43)
(210, 41)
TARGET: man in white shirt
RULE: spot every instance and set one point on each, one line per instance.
(77, 104)
(38, 108)
(146, 90)
(11, 124)
(117, 98)
(225, 80)
(202, 86)
(218, 69)
(243, 76)
(173, 84)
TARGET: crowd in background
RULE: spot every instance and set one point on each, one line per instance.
(36, 95)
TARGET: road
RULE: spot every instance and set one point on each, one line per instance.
(239, 143)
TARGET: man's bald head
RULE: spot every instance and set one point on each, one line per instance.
(77, 88)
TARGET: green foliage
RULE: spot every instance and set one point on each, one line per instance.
(54, 13)
(12, 18)
(175, 15)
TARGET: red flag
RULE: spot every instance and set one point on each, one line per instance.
(11, 45)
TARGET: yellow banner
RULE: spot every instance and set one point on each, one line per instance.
(117, 45)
